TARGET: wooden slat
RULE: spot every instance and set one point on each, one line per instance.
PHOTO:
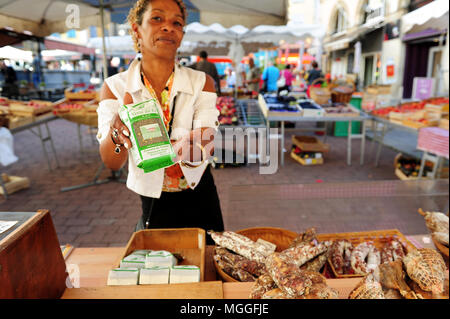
(201, 290)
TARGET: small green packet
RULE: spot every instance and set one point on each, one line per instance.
(151, 148)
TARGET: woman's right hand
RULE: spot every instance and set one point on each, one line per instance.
(124, 134)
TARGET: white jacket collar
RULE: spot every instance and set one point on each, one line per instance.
(181, 81)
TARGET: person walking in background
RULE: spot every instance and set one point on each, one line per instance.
(253, 76)
(288, 78)
(209, 68)
(270, 77)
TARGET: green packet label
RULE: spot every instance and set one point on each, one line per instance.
(151, 148)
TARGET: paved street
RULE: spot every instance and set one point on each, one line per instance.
(322, 196)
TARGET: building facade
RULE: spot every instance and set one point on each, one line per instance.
(365, 40)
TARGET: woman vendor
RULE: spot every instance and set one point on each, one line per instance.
(182, 195)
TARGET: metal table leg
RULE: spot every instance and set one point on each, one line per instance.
(380, 145)
(363, 142)
(349, 144)
(282, 143)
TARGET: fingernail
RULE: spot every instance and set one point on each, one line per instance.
(126, 145)
(125, 132)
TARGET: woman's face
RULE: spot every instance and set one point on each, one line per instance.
(161, 31)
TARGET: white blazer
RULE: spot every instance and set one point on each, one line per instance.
(194, 109)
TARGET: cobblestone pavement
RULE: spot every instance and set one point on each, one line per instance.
(105, 215)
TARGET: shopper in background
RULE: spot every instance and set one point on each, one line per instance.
(253, 76)
(288, 78)
(209, 68)
(314, 73)
(270, 76)
(240, 74)
(183, 195)
(10, 88)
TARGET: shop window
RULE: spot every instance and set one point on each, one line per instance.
(372, 10)
(340, 24)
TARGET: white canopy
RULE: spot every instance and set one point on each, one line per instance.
(114, 45)
(12, 53)
(291, 33)
(434, 10)
(249, 12)
(44, 17)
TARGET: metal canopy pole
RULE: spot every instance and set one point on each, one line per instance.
(105, 65)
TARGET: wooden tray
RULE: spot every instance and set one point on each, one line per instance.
(20, 108)
(310, 144)
(280, 237)
(378, 237)
(188, 242)
(199, 290)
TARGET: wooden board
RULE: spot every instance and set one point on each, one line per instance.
(32, 265)
(201, 290)
(241, 290)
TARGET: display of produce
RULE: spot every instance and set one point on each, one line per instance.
(421, 274)
(311, 108)
(409, 167)
(145, 267)
(281, 103)
(339, 109)
(4, 102)
(228, 112)
(66, 107)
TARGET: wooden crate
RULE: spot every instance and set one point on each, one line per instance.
(19, 108)
(80, 95)
(18, 121)
(310, 144)
(443, 123)
(32, 265)
(14, 183)
(282, 238)
(307, 161)
(188, 242)
(378, 237)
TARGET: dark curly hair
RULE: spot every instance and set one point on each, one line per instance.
(137, 12)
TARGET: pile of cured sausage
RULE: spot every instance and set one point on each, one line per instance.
(363, 258)
(290, 274)
(421, 274)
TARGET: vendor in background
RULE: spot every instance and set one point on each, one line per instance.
(10, 89)
(209, 68)
(270, 76)
(181, 195)
(288, 77)
(253, 76)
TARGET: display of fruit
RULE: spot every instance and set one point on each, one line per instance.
(67, 107)
(227, 109)
(305, 155)
(36, 105)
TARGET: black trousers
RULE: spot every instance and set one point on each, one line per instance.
(198, 208)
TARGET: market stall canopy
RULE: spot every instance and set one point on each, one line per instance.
(249, 12)
(431, 15)
(53, 44)
(12, 53)
(236, 35)
(44, 17)
(115, 46)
